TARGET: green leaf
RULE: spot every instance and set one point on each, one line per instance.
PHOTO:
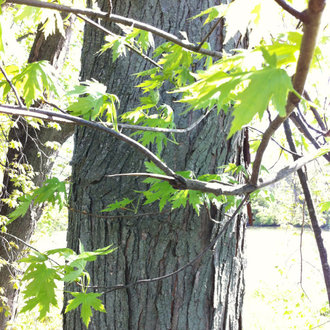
(24, 203)
(76, 268)
(325, 206)
(270, 59)
(152, 168)
(116, 44)
(34, 258)
(41, 289)
(94, 102)
(35, 80)
(195, 200)
(255, 98)
(52, 191)
(118, 205)
(87, 302)
(212, 12)
(65, 252)
(179, 199)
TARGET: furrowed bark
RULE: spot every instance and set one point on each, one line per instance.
(207, 295)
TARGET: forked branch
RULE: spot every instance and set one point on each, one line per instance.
(308, 44)
(178, 182)
(294, 12)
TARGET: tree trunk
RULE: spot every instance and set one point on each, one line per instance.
(34, 153)
(207, 295)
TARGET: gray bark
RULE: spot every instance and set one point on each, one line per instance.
(207, 295)
(34, 153)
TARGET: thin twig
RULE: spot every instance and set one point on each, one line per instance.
(315, 113)
(276, 162)
(28, 245)
(299, 123)
(54, 106)
(11, 86)
(301, 115)
(283, 148)
(209, 33)
(115, 216)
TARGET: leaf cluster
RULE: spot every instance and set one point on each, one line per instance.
(42, 276)
(52, 191)
(94, 102)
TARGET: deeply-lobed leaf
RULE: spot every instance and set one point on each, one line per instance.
(87, 302)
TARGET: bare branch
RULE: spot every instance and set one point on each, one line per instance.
(118, 19)
(26, 244)
(167, 178)
(316, 114)
(283, 148)
(312, 215)
(301, 115)
(209, 33)
(297, 14)
(304, 130)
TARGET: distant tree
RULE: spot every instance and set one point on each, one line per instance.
(33, 153)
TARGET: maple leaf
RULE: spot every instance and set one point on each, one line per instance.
(87, 302)
(265, 85)
(41, 289)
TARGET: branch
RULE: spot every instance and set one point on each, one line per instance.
(297, 14)
(279, 144)
(316, 114)
(26, 244)
(160, 129)
(308, 44)
(11, 86)
(304, 130)
(209, 33)
(178, 182)
(302, 117)
(118, 19)
(61, 117)
(312, 215)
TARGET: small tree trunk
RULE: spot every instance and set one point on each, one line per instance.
(34, 153)
(207, 295)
